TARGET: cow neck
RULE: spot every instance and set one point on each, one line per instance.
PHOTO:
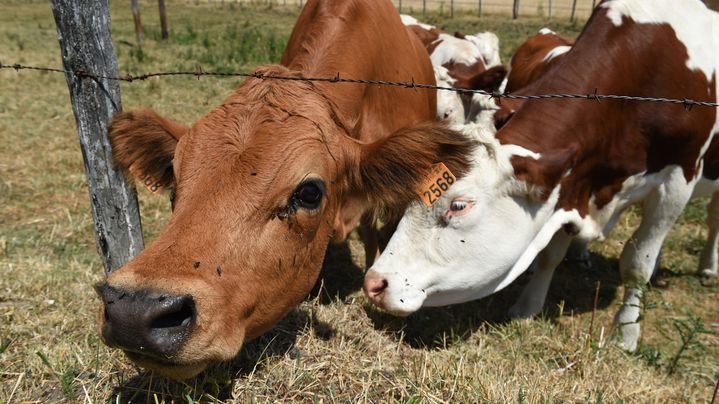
(591, 148)
(343, 38)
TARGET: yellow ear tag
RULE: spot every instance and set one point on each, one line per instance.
(438, 182)
(152, 185)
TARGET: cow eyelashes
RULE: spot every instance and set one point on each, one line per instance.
(308, 195)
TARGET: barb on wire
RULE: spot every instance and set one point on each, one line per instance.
(686, 102)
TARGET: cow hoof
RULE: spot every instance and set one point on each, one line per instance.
(707, 278)
(629, 334)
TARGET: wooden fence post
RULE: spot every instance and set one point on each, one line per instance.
(550, 9)
(85, 44)
(515, 9)
(424, 7)
(480, 8)
(163, 18)
(574, 9)
(400, 6)
(451, 9)
(138, 23)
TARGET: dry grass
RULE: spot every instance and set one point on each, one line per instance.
(334, 347)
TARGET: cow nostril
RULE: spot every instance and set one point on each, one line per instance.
(379, 287)
(181, 316)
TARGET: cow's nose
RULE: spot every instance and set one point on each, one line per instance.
(145, 322)
(374, 286)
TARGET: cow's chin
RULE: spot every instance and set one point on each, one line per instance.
(167, 369)
(401, 304)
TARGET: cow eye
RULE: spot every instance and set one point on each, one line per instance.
(458, 206)
(308, 195)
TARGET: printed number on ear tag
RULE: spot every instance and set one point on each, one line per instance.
(437, 182)
(152, 185)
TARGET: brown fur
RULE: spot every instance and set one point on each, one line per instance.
(143, 145)
(605, 143)
(238, 168)
(528, 63)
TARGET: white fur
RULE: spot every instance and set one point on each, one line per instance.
(409, 20)
(449, 104)
(433, 261)
(547, 31)
(559, 50)
(488, 45)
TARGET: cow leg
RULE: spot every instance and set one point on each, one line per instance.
(661, 209)
(531, 300)
(708, 261)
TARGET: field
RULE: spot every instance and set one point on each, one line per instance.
(334, 347)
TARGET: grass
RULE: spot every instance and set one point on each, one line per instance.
(334, 346)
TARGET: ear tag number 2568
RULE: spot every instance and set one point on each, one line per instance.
(439, 180)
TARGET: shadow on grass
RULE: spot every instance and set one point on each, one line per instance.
(340, 276)
(216, 383)
(573, 287)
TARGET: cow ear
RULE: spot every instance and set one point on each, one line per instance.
(143, 146)
(391, 170)
(489, 80)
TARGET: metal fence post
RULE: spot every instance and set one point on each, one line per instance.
(85, 44)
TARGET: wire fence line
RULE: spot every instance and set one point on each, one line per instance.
(544, 8)
(688, 103)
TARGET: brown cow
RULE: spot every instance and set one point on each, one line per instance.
(264, 181)
(535, 57)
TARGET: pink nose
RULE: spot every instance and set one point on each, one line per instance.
(374, 286)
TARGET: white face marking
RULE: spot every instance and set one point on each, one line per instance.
(488, 45)
(450, 108)
(547, 31)
(559, 50)
(438, 256)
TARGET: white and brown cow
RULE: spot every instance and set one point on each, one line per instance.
(563, 169)
(535, 57)
(463, 61)
(264, 181)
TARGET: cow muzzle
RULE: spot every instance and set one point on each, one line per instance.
(152, 326)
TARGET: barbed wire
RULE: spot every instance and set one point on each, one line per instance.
(688, 103)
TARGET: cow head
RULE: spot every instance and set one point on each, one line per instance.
(476, 239)
(261, 184)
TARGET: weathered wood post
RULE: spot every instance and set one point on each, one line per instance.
(594, 4)
(550, 9)
(400, 6)
(424, 7)
(85, 45)
(451, 9)
(574, 9)
(163, 19)
(515, 9)
(481, 11)
(138, 23)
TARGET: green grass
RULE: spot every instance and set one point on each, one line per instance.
(334, 346)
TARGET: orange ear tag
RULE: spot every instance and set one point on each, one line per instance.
(438, 182)
(152, 185)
